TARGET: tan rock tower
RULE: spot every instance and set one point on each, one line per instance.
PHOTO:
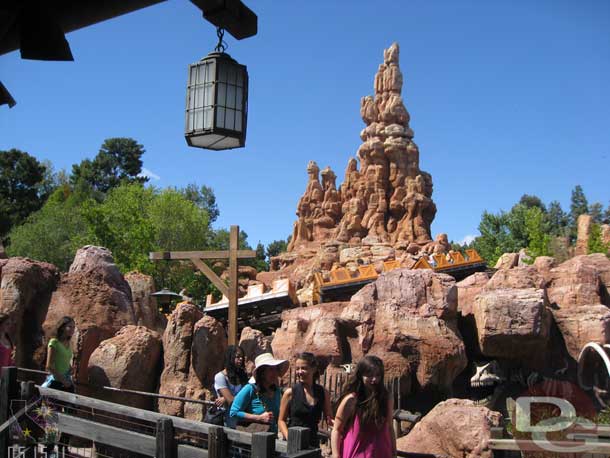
(389, 198)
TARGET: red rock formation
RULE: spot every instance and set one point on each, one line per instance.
(145, 306)
(407, 317)
(25, 292)
(97, 296)
(207, 358)
(177, 342)
(468, 289)
(454, 428)
(513, 324)
(129, 360)
(583, 233)
(581, 325)
(389, 197)
(193, 351)
(577, 281)
(253, 342)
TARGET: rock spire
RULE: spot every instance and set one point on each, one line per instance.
(389, 198)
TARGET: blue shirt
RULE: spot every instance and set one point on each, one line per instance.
(247, 401)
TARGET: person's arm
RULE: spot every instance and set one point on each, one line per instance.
(240, 405)
(390, 422)
(345, 412)
(284, 407)
(328, 412)
(222, 388)
(51, 354)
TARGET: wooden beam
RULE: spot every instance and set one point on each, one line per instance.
(239, 20)
(221, 254)
(233, 284)
(146, 415)
(208, 272)
(109, 435)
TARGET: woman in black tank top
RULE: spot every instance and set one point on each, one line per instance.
(304, 403)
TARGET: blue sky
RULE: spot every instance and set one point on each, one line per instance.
(505, 98)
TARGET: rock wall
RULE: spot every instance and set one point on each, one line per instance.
(96, 295)
(25, 292)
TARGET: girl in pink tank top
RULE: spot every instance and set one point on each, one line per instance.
(363, 424)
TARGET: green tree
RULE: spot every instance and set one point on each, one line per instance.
(557, 219)
(578, 206)
(204, 198)
(56, 231)
(537, 233)
(496, 238)
(21, 176)
(276, 247)
(261, 264)
(532, 201)
(596, 244)
(606, 217)
(118, 161)
(596, 211)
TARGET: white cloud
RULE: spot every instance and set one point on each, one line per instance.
(467, 239)
(149, 174)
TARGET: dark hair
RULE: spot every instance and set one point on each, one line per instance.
(311, 361)
(236, 375)
(61, 326)
(371, 407)
(3, 317)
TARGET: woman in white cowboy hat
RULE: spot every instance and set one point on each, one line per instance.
(259, 400)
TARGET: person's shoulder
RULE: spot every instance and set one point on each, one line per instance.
(219, 377)
(53, 342)
(288, 393)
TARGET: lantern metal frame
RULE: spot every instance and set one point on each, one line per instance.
(218, 123)
(165, 296)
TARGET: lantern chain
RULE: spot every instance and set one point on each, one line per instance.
(222, 45)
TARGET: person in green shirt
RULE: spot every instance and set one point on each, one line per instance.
(59, 357)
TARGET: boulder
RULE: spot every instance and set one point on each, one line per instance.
(454, 428)
(96, 295)
(313, 329)
(177, 342)
(543, 265)
(409, 318)
(129, 360)
(513, 324)
(25, 292)
(208, 347)
(516, 278)
(577, 282)
(253, 342)
(468, 289)
(507, 261)
(145, 305)
(583, 324)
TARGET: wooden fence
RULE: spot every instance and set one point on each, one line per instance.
(128, 431)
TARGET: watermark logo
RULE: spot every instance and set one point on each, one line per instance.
(556, 416)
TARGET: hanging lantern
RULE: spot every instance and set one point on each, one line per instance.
(165, 297)
(217, 101)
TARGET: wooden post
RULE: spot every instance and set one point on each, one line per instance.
(8, 391)
(217, 442)
(233, 284)
(298, 439)
(165, 439)
(263, 445)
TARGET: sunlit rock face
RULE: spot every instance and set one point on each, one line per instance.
(388, 197)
